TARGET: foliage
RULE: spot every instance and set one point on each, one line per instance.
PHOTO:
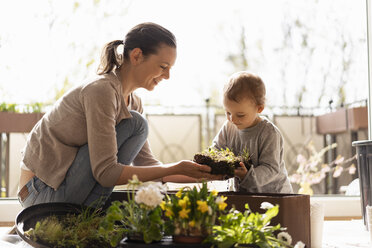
(312, 170)
(237, 229)
(79, 230)
(192, 211)
(140, 215)
(36, 107)
(8, 107)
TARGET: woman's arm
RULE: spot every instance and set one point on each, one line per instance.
(149, 173)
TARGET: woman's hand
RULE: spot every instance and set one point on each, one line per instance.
(195, 170)
(241, 171)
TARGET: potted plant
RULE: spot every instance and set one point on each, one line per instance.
(222, 161)
(139, 217)
(248, 229)
(192, 212)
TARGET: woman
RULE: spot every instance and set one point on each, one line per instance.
(83, 147)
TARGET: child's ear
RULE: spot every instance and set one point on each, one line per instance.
(136, 56)
(260, 108)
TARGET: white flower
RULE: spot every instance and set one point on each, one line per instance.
(299, 244)
(285, 237)
(149, 196)
(266, 205)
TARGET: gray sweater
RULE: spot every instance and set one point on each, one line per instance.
(265, 144)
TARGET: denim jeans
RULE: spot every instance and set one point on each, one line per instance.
(79, 185)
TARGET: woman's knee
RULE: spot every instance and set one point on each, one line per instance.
(140, 122)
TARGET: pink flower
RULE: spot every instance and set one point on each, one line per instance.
(338, 171)
(352, 169)
(339, 159)
(301, 159)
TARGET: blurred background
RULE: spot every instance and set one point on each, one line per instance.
(312, 56)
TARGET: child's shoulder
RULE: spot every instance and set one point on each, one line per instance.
(269, 126)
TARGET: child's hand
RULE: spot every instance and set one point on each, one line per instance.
(241, 171)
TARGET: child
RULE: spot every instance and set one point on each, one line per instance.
(243, 100)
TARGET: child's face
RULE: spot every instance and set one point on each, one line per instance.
(242, 114)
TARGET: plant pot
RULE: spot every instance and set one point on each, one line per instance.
(188, 239)
(135, 237)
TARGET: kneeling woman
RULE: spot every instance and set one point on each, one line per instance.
(83, 147)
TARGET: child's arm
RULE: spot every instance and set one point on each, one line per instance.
(269, 175)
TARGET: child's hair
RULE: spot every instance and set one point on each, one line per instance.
(245, 85)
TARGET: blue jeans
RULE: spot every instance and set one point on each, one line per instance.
(79, 185)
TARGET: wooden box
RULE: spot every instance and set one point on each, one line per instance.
(18, 122)
(332, 123)
(294, 210)
(357, 118)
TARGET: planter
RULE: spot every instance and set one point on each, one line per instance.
(188, 239)
(294, 210)
(332, 123)
(18, 122)
(357, 118)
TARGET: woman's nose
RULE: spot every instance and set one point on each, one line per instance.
(166, 74)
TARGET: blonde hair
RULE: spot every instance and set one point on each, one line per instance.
(243, 85)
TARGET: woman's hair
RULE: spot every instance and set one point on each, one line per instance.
(245, 85)
(146, 36)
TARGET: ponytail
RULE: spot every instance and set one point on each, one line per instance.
(110, 59)
(147, 36)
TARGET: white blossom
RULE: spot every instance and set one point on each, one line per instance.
(149, 196)
(266, 205)
(285, 237)
(299, 244)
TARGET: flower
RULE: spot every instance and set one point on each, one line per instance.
(214, 192)
(266, 205)
(299, 244)
(285, 237)
(192, 211)
(140, 214)
(202, 206)
(184, 213)
(221, 202)
(150, 196)
(311, 170)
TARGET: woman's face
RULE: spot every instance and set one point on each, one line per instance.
(242, 114)
(155, 67)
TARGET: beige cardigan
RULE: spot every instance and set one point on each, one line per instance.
(86, 114)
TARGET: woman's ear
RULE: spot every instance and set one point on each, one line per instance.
(260, 108)
(136, 56)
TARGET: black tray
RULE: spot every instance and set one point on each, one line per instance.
(28, 217)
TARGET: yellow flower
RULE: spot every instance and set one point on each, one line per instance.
(184, 213)
(221, 202)
(214, 192)
(179, 193)
(222, 206)
(168, 212)
(162, 205)
(192, 223)
(202, 206)
(183, 202)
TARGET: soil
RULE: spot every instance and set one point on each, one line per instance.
(222, 162)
